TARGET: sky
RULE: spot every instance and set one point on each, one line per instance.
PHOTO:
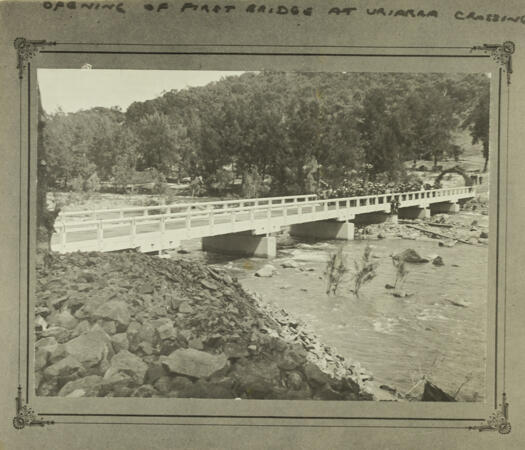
(76, 89)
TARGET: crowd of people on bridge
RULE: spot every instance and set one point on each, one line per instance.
(361, 188)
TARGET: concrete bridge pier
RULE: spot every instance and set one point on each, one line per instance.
(324, 229)
(393, 219)
(414, 212)
(245, 243)
(446, 207)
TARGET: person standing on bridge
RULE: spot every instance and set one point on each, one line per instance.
(394, 206)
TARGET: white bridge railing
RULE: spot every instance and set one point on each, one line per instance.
(178, 207)
(212, 218)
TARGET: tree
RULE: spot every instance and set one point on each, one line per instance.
(477, 122)
(80, 144)
(125, 165)
(45, 217)
(158, 143)
(381, 134)
(433, 122)
(279, 132)
(67, 143)
(342, 148)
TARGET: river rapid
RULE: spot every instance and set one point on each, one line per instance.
(439, 331)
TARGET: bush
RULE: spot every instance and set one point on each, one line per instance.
(365, 271)
(221, 181)
(336, 268)
(253, 185)
(76, 184)
(92, 184)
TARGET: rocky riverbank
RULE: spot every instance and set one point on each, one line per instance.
(129, 324)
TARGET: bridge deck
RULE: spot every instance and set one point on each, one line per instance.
(157, 228)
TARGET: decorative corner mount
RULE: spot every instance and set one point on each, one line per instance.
(26, 49)
(498, 421)
(25, 416)
(501, 53)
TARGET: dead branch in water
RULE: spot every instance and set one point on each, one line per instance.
(442, 225)
(433, 233)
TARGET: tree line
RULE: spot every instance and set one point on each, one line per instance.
(270, 132)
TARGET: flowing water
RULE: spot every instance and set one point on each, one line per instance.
(439, 331)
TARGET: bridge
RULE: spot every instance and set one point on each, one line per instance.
(245, 226)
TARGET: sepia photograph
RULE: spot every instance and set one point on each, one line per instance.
(262, 235)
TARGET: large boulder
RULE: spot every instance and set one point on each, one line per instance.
(194, 363)
(89, 386)
(46, 345)
(130, 364)
(438, 261)
(266, 271)
(61, 334)
(90, 348)
(114, 310)
(315, 376)
(63, 319)
(166, 331)
(290, 264)
(411, 256)
(81, 328)
(147, 333)
(258, 380)
(116, 383)
(120, 342)
(67, 367)
(88, 309)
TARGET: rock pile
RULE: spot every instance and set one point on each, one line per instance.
(129, 324)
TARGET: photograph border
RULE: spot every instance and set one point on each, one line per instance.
(501, 54)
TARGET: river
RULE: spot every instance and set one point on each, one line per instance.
(439, 331)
